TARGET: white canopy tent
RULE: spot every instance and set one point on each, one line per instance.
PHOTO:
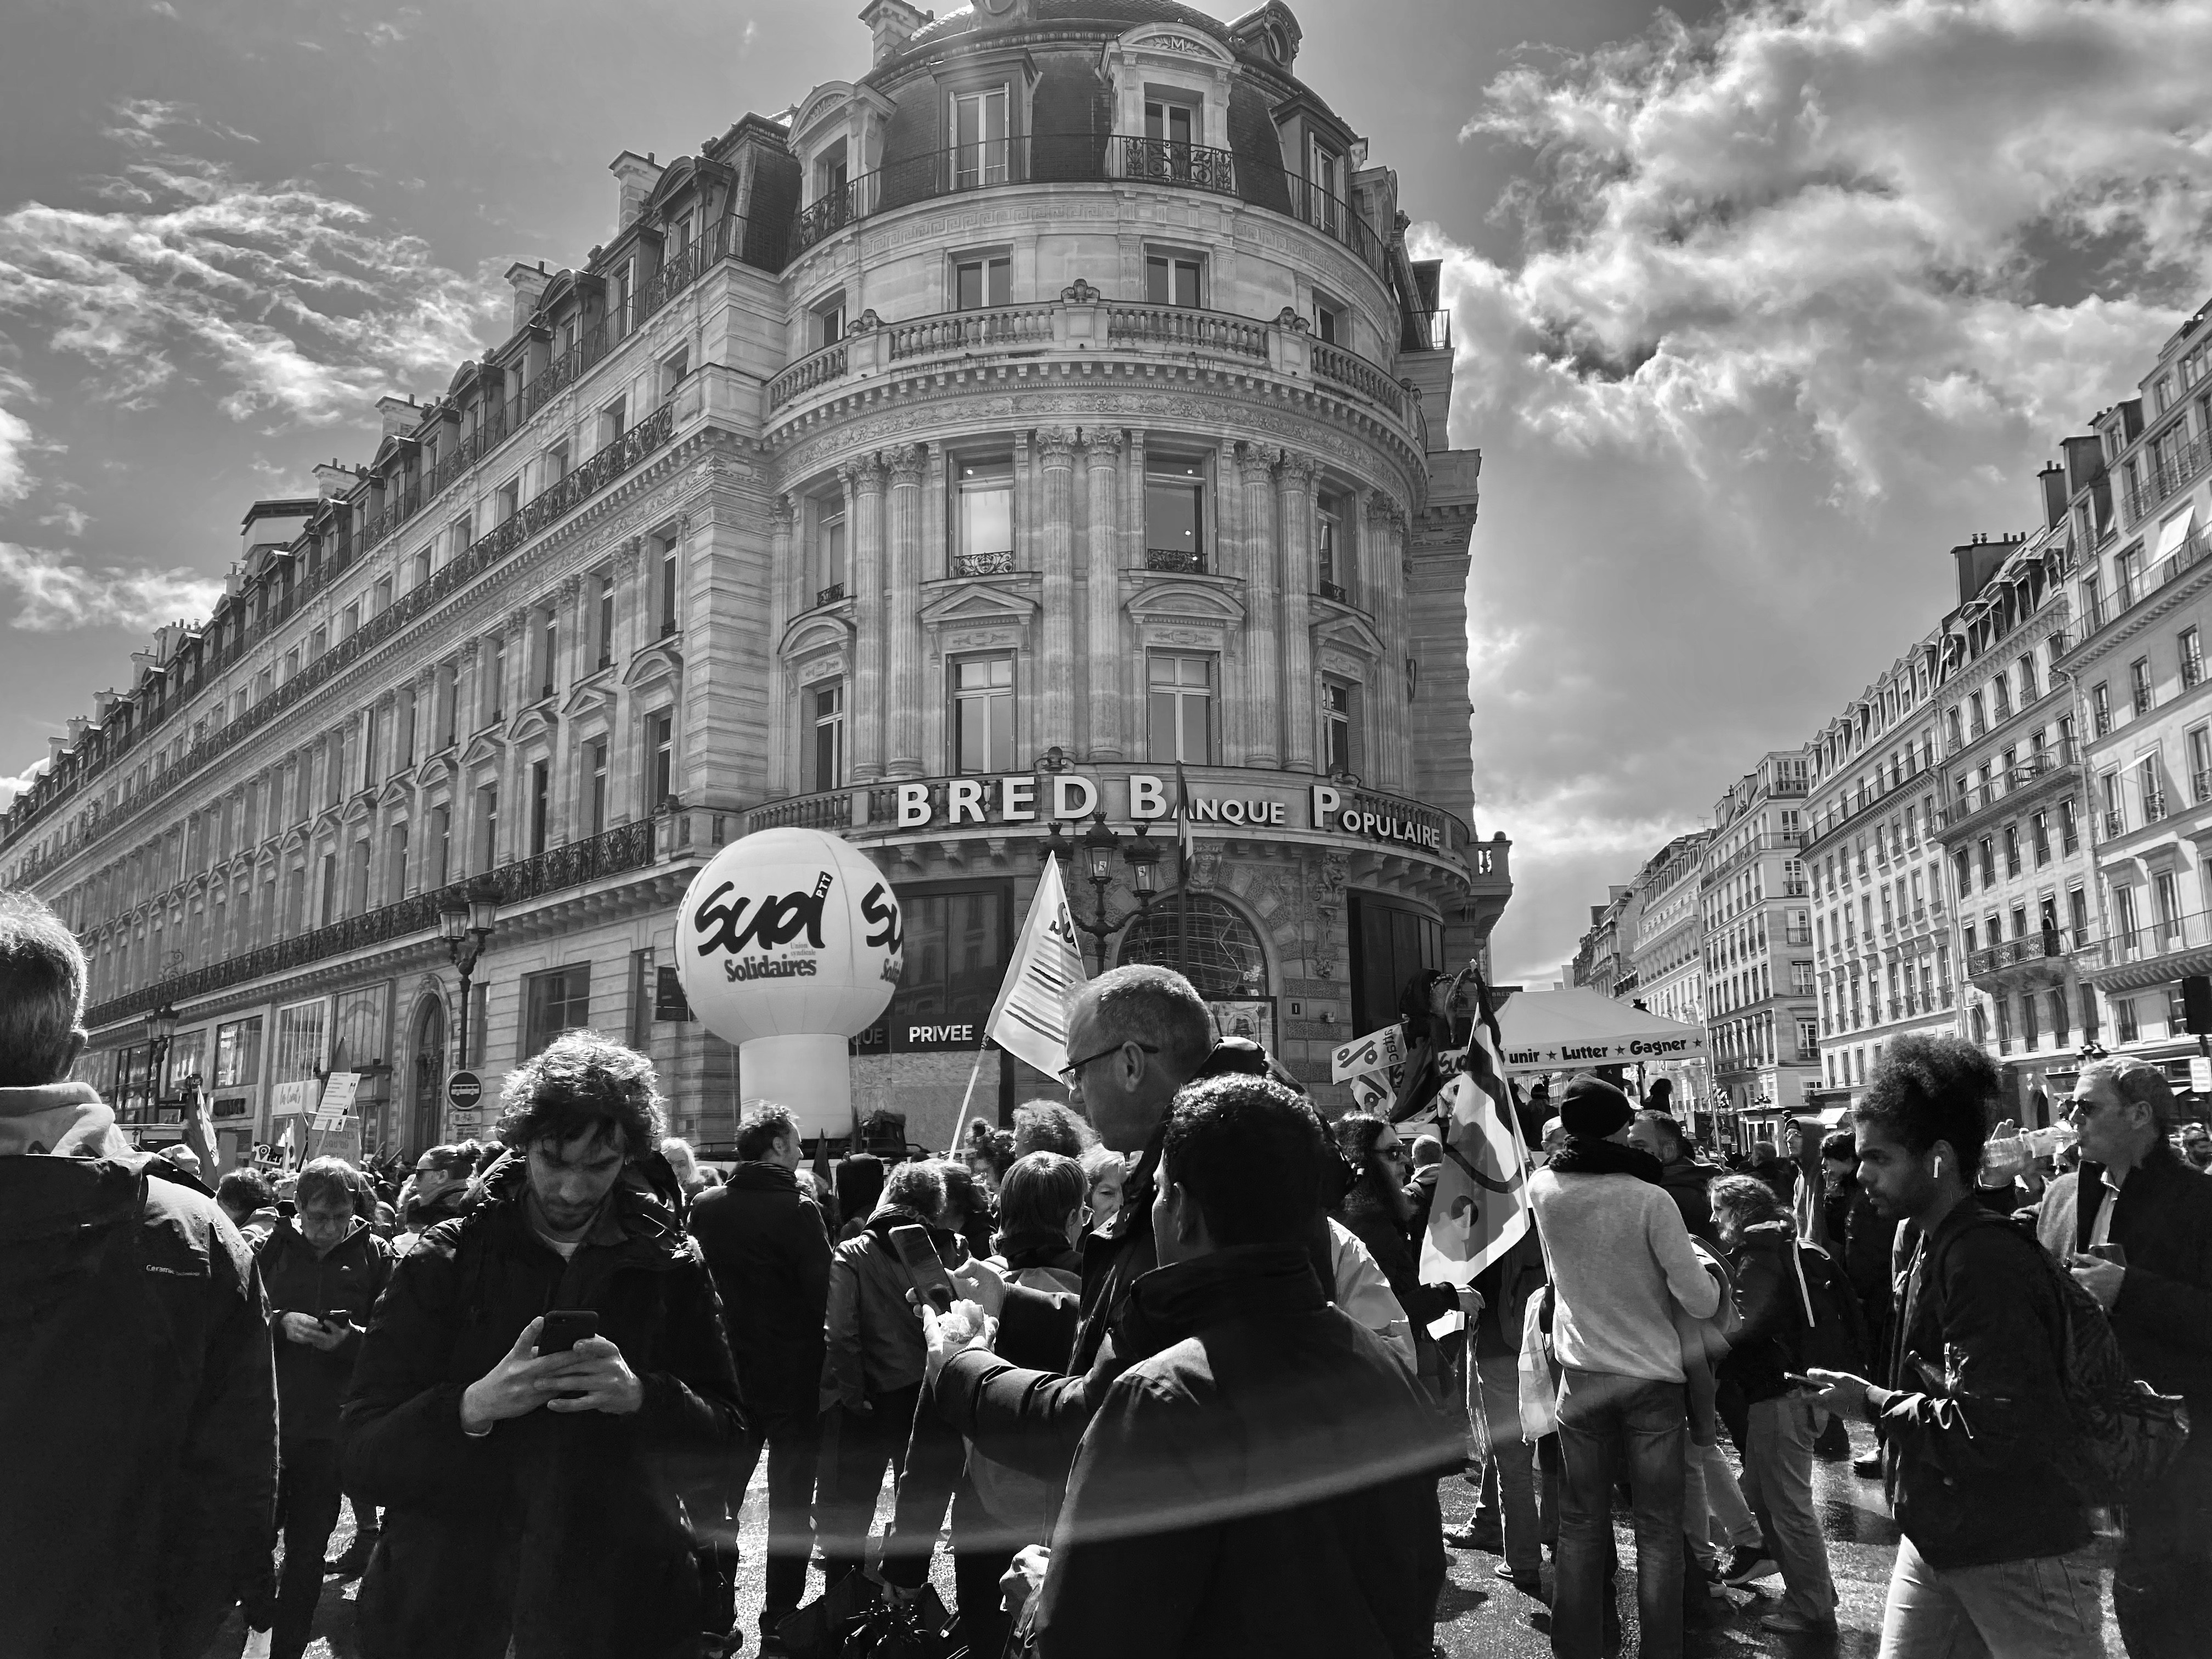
(1564, 1030)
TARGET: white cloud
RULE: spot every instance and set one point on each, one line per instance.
(11, 787)
(286, 299)
(1803, 297)
(14, 442)
(50, 591)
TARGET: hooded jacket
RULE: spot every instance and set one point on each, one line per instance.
(567, 1533)
(1773, 1334)
(311, 1381)
(1260, 1481)
(873, 1333)
(137, 1381)
(764, 1239)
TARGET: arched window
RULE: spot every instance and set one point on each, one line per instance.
(1217, 949)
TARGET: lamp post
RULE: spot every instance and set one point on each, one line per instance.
(161, 1032)
(1098, 844)
(464, 922)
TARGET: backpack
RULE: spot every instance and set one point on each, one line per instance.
(1835, 1335)
(2126, 1434)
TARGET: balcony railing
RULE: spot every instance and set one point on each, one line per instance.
(1174, 558)
(2148, 941)
(2153, 806)
(1426, 331)
(2115, 825)
(2052, 945)
(1084, 158)
(2169, 467)
(1351, 369)
(1000, 564)
(1335, 591)
(627, 847)
(2107, 609)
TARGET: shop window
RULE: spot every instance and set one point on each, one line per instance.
(826, 735)
(956, 945)
(1174, 279)
(552, 1002)
(238, 1053)
(984, 505)
(1180, 699)
(983, 713)
(982, 279)
(1205, 939)
(1390, 944)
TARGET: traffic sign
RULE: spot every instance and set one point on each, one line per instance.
(465, 1089)
(2200, 1075)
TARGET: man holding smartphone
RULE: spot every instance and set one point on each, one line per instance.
(324, 1269)
(2133, 1226)
(538, 1495)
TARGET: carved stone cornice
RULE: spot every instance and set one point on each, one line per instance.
(515, 622)
(571, 585)
(627, 552)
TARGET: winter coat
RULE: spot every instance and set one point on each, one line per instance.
(1685, 1183)
(764, 1238)
(873, 1333)
(1973, 1403)
(311, 1381)
(137, 1383)
(1260, 1481)
(1374, 1221)
(1862, 1246)
(567, 1532)
(1772, 1339)
(1040, 1262)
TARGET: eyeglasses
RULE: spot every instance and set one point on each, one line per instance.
(1073, 1069)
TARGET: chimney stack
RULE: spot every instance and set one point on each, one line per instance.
(529, 283)
(893, 23)
(635, 175)
(332, 480)
(400, 416)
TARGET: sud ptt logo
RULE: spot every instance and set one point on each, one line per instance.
(776, 920)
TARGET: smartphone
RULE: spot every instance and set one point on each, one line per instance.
(565, 1328)
(2115, 1254)
(930, 1279)
(1798, 1379)
(339, 1317)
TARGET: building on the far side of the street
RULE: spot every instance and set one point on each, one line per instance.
(2139, 509)
(2012, 814)
(1883, 950)
(1668, 958)
(1603, 961)
(1760, 1001)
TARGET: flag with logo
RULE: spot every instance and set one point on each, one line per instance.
(1481, 1206)
(1029, 1020)
(1182, 820)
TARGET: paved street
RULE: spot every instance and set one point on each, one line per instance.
(1479, 1615)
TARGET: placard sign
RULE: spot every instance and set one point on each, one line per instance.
(1378, 1051)
(336, 1104)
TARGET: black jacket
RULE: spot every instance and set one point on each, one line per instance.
(1977, 1402)
(1261, 1479)
(1773, 1334)
(311, 1382)
(764, 1239)
(568, 1532)
(140, 1473)
(1371, 1218)
(1685, 1183)
(1863, 1245)
(873, 1334)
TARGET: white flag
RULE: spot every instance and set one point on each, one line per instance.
(1481, 1210)
(1029, 1020)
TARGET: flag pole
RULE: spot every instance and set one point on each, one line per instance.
(960, 1123)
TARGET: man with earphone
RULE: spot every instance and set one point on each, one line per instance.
(1995, 1555)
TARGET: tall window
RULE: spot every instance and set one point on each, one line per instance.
(978, 123)
(1180, 709)
(832, 172)
(1170, 128)
(488, 826)
(495, 681)
(2153, 798)
(660, 759)
(2139, 684)
(670, 582)
(1174, 279)
(1175, 515)
(613, 421)
(984, 280)
(983, 713)
(595, 774)
(2192, 657)
(1340, 724)
(830, 320)
(2027, 681)
(553, 1003)
(1329, 549)
(674, 369)
(541, 803)
(825, 718)
(2000, 696)
(549, 652)
(2100, 709)
(606, 622)
(441, 847)
(395, 869)
(985, 504)
(1325, 171)
(830, 567)
(1332, 324)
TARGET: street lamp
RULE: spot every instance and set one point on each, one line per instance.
(1098, 845)
(464, 922)
(161, 1032)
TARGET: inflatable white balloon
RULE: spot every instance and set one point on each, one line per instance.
(789, 944)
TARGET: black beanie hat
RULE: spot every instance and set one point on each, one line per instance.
(1593, 1108)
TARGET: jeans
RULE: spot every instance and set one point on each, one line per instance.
(307, 1496)
(792, 1449)
(1603, 1420)
(1778, 1479)
(2043, 1609)
(1512, 1463)
(926, 1457)
(1715, 1517)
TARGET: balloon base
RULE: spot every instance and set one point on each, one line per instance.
(812, 1075)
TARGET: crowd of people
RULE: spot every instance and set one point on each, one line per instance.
(1165, 1367)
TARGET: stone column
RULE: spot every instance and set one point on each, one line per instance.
(784, 581)
(512, 812)
(1101, 653)
(936, 563)
(623, 736)
(902, 619)
(1382, 575)
(575, 630)
(1295, 493)
(1056, 544)
(1263, 726)
(865, 711)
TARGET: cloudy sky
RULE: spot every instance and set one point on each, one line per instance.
(1759, 310)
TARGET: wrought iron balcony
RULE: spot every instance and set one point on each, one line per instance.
(1174, 558)
(2052, 945)
(1000, 564)
(830, 594)
(1334, 590)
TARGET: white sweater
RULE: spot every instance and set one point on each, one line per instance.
(1618, 1252)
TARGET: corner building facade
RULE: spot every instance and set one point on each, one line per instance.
(1048, 422)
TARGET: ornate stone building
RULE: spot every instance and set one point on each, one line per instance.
(1049, 422)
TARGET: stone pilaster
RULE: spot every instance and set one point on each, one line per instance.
(1101, 650)
(1056, 549)
(865, 718)
(902, 619)
(1382, 577)
(1295, 499)
(786, 575)
(1263, 724)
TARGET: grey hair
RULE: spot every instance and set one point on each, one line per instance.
(2138, 1083)
(41, 993)
(1158, 1007)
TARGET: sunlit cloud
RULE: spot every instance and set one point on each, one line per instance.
(49, 591)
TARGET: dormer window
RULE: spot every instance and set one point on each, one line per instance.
(831, 173)
(1171, 127)
(977, 122)
(1325, 173)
